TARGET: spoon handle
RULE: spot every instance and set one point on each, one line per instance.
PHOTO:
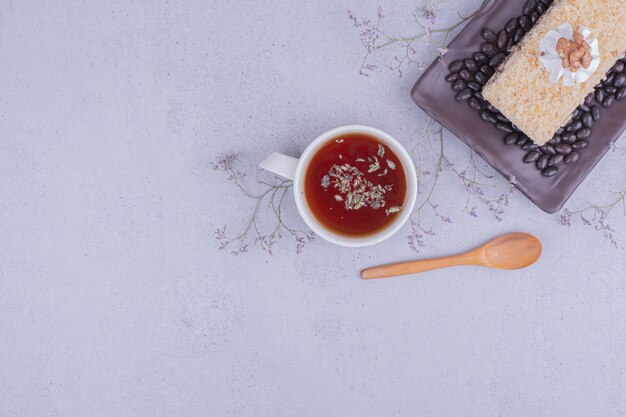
(412, 267)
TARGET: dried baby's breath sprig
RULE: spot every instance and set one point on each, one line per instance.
(271, 196)
(597, 216)
(480, 187)
(376, 39)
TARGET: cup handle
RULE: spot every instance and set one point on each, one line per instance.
(280, 164)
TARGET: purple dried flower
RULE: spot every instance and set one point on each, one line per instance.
(416, 241)
(427, 12)
(416, 238)
(221, 233)
(266, 242)
(225, 162)
(242, 249)
(222, 239)
(299, 245)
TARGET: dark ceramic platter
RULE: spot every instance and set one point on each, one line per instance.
(435, 96)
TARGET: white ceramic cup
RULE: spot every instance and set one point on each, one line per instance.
(295, 169)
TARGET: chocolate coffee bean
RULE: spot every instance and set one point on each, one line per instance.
(519, 34)
(474, 103)
(531, 157)
(523, 140)
(576, 114)
(568, 138)
(581, 144)
(464, 95)
(541, 8)
(530, 146)
(481, 78)
(489, 35)
(503, 37)
(595, 113)
(471, 65)
(534, 16)
(548, 150)
(563, 148)
(600, 95)
(497, 60)
(456, 66)
(556, 139)
(583, 133)
(487, 116)
(487, 70)
(480, 58)
(575, 126)
(542, 162)
(572, 158)
(529, 7)
(524, 22)
(556, 159)
(621, 94)
(459, 85)
(608, 80)
(583, 107)
(511, 26)
(511, 138)
(505, 127)
(551, 171)
(465, 75)
(479, 96)
(474, 86)
(587, 120)
(609, 89)
(620, 80)
(491, 108)
(502, 118)
(453, 76)
(608, 100)
(489, 49)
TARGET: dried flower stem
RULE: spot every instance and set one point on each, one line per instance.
(596, 216)
(472, 178)
(272, 196)
(374, 38)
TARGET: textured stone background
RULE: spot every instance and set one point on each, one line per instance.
(114, 300)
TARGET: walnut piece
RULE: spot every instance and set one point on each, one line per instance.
(574, 53)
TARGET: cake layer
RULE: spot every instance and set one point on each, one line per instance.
(521, 89)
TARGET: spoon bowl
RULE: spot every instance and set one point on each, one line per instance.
(511, 251)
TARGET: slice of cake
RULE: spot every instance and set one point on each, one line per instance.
(557, 64)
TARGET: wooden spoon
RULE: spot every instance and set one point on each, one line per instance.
(510, 251)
